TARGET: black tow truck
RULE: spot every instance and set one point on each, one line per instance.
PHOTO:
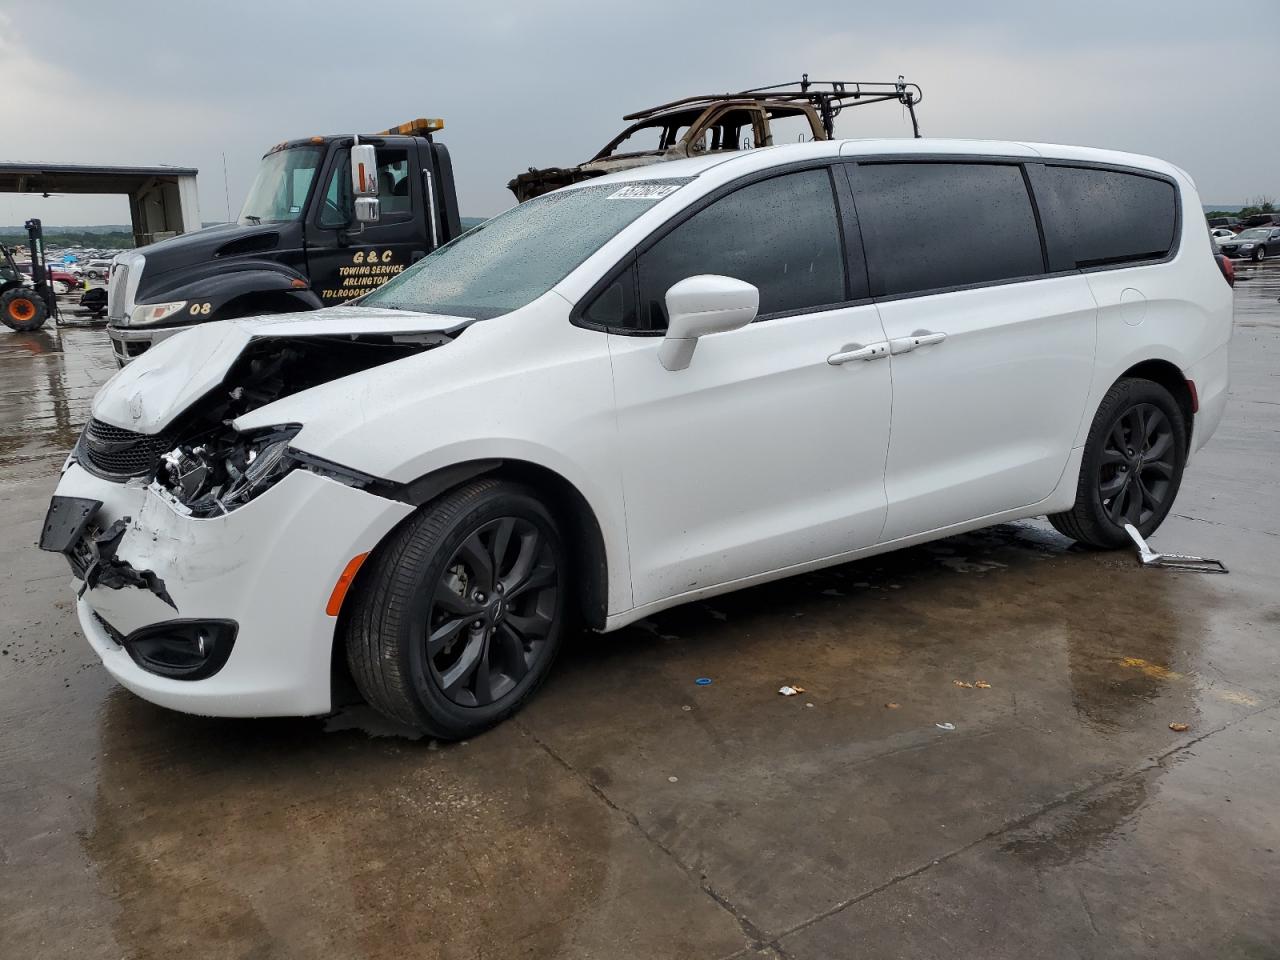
(327, 219)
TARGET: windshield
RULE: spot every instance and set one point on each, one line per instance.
(279, 192)
(1255, 234)
(518, 256)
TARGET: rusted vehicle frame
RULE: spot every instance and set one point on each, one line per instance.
(820, 102)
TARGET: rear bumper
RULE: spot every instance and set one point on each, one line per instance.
(268, 567)
(1212, 380)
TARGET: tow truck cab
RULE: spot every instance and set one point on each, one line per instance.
(313, 233)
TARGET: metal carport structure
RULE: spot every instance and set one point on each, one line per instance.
(163, 201)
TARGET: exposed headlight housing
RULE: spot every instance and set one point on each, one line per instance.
(145, 313)
(218, 475)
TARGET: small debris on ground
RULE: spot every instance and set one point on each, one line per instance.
(963, 683)
(789, 691)
(673, 779)
(892, 706)
(1179, 727)
(945, 726)
(686, 708)
(982, 685)
(703, 681)
(808, 704)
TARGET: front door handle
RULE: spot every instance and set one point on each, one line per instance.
(921, 338)
(853, 351)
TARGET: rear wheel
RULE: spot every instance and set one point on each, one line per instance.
(460, 614)
(22, 309)
(1132, 466)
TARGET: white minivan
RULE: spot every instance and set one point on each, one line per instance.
(644, 389)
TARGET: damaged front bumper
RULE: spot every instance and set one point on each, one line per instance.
(220, 616)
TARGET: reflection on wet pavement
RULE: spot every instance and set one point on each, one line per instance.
(630, 812)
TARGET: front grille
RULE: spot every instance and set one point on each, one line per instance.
(117, 285)
(123, 453)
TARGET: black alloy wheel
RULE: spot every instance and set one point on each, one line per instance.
(1131, 468)
(456, 618)
(1137, 465)
(491, 612)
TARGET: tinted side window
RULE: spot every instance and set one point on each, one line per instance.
(781, 234)
(933, 225)
(1111, 217)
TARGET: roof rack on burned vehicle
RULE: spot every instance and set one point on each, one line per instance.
(828, 96)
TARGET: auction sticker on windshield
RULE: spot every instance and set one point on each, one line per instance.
(644, 191)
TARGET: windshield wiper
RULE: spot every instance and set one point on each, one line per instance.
(256, 221)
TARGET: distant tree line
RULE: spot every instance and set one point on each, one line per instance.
(115, 240)
(1259, 204)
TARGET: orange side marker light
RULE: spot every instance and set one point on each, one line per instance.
(344, 584)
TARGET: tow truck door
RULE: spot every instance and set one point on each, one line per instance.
(344, 260)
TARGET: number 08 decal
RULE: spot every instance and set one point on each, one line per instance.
(200, 309)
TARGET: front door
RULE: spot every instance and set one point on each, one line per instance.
(992, 360)
(344, 260)
(761, 455)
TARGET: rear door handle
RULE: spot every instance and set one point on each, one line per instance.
(853, 351)
(921, 338)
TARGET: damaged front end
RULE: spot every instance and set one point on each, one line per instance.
(199, 463)
(206, 467)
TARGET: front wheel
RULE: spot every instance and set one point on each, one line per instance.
(459, 615)
(1132, 466)
(22, 309)
(1259, 254)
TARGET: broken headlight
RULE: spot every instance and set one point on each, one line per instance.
(216, 475)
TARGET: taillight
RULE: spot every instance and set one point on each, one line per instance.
(1228, 269)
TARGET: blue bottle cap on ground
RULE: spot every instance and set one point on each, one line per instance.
(703, 681)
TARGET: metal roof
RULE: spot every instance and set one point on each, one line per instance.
(81, 177)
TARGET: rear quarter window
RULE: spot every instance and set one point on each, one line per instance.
(1111, 218)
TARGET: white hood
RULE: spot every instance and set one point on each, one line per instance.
(159, 385)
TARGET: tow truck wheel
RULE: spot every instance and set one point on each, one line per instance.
(22, 309)
(457, 617)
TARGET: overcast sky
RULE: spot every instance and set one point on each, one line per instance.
(534, 84)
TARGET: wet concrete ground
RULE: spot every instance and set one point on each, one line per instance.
(630, 813)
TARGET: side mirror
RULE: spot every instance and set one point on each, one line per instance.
(700, 306)
(364, 183)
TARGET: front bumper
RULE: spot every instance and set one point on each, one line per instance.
(269, 567)
(130, 342)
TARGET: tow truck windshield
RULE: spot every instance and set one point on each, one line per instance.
(279, 192)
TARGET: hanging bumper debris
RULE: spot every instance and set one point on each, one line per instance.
(1177, 561)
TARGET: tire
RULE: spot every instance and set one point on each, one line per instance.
(490, 648)
(94, 275)
(1259, 254)
(61, 288)
(1141, 478)
(22, 309)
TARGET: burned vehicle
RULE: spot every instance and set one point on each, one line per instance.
(715, 123)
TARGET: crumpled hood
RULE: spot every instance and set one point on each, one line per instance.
(158, 386)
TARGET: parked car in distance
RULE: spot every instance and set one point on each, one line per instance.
(641, 390)
(61, 281)
(1221, 234)
(97, 269)
(1261, 220)
(1228, 222)
(1256, 243)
